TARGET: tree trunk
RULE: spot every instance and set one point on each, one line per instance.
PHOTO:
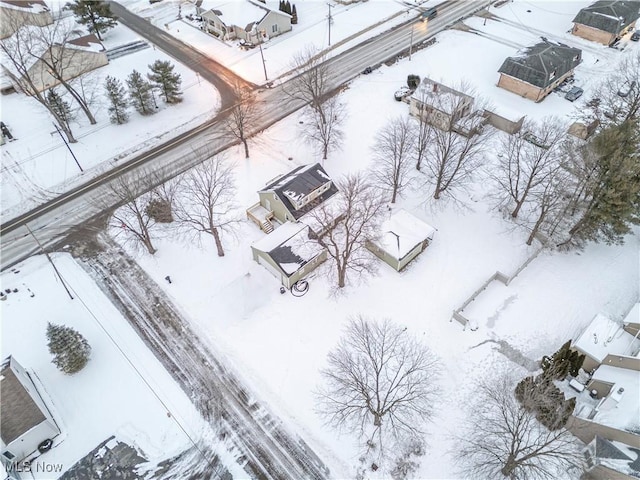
(419, 163)
(394, 194)
(325, 148)
(509, 466)
(536, 227)
(246, 147)
(147, 243)
(216, 237)
(342, 274)
(516, 210)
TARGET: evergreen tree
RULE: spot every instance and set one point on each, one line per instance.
(117, 96)
(140, 93)
(562, 363)
(59, 106)
(287, 7)
(612, 200)
(413, 81)
(540, 396)
(168, 82)
(69, 348)
(96, 14)
(294, 16)
(281, 6)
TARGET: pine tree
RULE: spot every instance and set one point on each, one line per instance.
(294, 15)
(69, 348)
(95, 14)
(281, 6)
(60, 107)
(168, 82)
(117, 96)
(287, 7)
(140, 93)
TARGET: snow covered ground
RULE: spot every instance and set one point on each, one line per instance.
(38, 166)
(123, 390)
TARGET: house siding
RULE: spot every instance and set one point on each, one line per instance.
(281, 22)
(411, 255)
(593, 34)
(28, 442)
(280, 212)
(528, 90)
(502, 123)
(600, 472)
(434, 116)
(11, 19)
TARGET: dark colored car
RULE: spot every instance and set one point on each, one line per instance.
(574, 94)
(367, 70)
(635, 37)
(429, 14)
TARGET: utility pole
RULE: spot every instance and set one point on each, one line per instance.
(65, 142)
(411, 41)
(264, 65)
(330, 19)
(55, 269)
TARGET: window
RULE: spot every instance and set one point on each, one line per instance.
(8, 455)
(274, 28)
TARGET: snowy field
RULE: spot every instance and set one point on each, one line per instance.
(279, 342)
(123, 390)
(38, 166)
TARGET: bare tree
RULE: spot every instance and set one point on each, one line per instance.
(380, 380)
(344, 226)
(206, 199)
(61, 60)
(503, 439)
(242, 116)
(17, 50)
(526, 159)
(324, 113)
(423, 138)
(617, 98)
(132, 218)
(393, 153)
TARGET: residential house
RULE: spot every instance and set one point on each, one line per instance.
(242, 19)
(606, 21)
(76, 57)
(536, 71)
(26, 421)
(610, 460)
(16, 13)
(288, 197)
(439, 105)
(602, 338)
(403, 238)
(289, 253)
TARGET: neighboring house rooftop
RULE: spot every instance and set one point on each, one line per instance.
(604, 336)
(536, 64)
(243, 14)
(89, 43)
(32, 6)
(620, 409)
(289, 246)
(634, 314)
(609, 15)
(300, 182)
(439, 96)
(19, 412)
(402, 232)
(616, 456)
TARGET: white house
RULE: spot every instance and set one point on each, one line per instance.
(26, 421)
(242, 19)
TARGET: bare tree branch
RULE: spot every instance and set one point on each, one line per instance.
(241, 117)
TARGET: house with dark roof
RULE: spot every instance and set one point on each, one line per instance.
(536, 71)
(242, 19)
(26, 422)
(16, 13)
(611, 460)
(289, 253)
(289, 197)
(606, 21)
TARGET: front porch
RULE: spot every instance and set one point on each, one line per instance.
(261, 217)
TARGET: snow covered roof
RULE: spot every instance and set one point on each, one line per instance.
(402, 232)
(603, 336)
(300, 182)
(624, 410)
(439, 96)
(609, 15)
(88, 43)
(19, 411)
(541, 63)
(617, 456)
(31, 6)
(289, 246)
(634, 314)
(237, 12)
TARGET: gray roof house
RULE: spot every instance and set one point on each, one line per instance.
(608, 460)
(290, 196)
(25, 421)
(605, 21)
(242, 19)
(537, 70)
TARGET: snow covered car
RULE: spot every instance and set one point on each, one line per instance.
(574, 94)
(636, 36)
(401, 93)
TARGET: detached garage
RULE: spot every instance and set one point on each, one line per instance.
(288, 253)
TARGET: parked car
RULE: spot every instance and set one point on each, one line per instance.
(574, 94)
(429, 14)
(367, 71)
(625, 89)
(402, 92)
(636, 36)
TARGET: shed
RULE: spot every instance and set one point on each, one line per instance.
(25, 421)
(288, 253)
(403, 237)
